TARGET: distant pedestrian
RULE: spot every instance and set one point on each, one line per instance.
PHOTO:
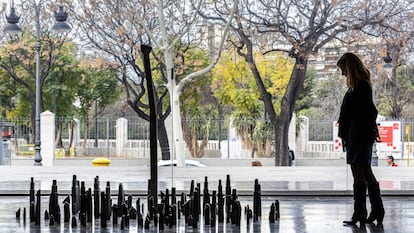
(358, 131)
(390, 161)
(291, 157)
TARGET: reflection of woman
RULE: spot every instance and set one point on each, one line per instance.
(358, 130)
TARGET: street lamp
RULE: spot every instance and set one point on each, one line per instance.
(13, 29)
(388, 65)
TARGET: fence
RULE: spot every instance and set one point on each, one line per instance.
(320, 140)
(98, 137)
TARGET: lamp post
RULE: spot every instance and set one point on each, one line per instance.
(388, 67)
(13, 29)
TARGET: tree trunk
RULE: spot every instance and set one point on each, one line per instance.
(177, 138)
(72, 133)
(395, 48)
(85, 136)
(186, 133)
(201, 150)
(395, 94)
(163, 140)
(282, 122)
(281, 141)
(58, 138)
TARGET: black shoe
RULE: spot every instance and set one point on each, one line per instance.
(379, 216)
(355, 220)
(360, 210)
(377, 207)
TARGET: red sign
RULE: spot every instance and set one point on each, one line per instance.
(386, 134)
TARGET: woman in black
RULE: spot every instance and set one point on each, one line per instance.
(358, 130)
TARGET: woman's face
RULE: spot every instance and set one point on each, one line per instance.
(343, 71)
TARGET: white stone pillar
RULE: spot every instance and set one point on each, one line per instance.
(121, 135)
(292, 133)
(47, 137)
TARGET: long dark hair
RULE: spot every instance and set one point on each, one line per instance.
(354, 70)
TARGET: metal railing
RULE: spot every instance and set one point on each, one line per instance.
(101, 138)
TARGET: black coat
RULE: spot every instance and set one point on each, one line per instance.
(357, 119)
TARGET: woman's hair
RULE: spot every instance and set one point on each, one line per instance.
(354, 70)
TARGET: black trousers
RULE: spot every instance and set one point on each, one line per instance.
(362, 174)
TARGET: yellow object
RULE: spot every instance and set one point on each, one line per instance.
(60, 153)
(72, 152)
(101, 162)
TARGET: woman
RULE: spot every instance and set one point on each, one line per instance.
(358, 131)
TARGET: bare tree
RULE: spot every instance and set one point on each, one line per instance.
(118, 28)
(395, 94)
(110, 28)
(299, 28)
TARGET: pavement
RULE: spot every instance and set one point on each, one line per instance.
(298, 180)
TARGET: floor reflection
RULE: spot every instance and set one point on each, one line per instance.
(298, 215)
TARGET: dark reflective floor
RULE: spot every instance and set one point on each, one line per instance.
(298, 214)
(327, 204)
